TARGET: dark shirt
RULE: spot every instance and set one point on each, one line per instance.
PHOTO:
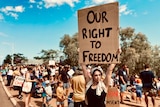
(64, 76)
(95, 100)
(147, 78)
(132, 80)
(124, 75)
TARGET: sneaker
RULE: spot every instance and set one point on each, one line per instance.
(43, 105)
(20, 97)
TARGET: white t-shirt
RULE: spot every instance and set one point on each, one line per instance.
(53, 71)
(48, 90)
(10, 72)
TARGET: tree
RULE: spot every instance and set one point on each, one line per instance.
(69, 45)
(47, 55)
(136, 50)
(156, 59)
(17, 59)
(7, 59)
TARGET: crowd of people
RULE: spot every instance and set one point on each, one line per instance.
(89, 84)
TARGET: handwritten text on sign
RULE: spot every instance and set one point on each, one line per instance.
(18, 81)
(98, 34)
(113, 99)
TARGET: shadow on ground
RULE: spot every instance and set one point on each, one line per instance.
(20, 104)
(38, 103)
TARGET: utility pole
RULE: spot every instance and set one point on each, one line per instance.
(12, 62)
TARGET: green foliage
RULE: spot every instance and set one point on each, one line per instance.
(47, 55)
(7, 59)
(137, 51)
(69, 45)
(17, 59)
(156, 59)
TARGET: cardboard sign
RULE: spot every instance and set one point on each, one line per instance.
(51, 62)
(18, 81)
(70, 72)
(98, 29)
(113, 99)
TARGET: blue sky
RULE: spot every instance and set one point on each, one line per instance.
(28, 26)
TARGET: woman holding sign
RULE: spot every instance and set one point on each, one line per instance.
(29, 78)
(96, 88)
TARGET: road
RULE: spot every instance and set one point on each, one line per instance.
(4, 100)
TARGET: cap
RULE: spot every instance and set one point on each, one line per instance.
(138, 81)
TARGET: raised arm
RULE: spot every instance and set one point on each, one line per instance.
(109, 72)
(85, 73)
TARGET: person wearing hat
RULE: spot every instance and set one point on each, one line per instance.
(96, 87)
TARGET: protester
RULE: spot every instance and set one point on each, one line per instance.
(158, 87)
(65, 78)
(96, 88)
(148, 77)
(78, 85)
(3, 72)
(55, 82)
(43, 85)
(9, 76)
(132, 80)
(29, 78)
(17, 72)
(60, 95)
(123, 79)
(48, 90)
(138, 84)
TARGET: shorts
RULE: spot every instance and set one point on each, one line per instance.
(60, 102)
(66, 85)
(150, 91)
(43, 94)
(139, 93)
(3, 75)
(123, 87)
(48, 98)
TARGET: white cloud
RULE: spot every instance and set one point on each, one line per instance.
(19, 9)
(123, 9)
(103, 1)
(53, 3)
(32, 1)
(91, 3)
(12, 11)
(15, 15)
